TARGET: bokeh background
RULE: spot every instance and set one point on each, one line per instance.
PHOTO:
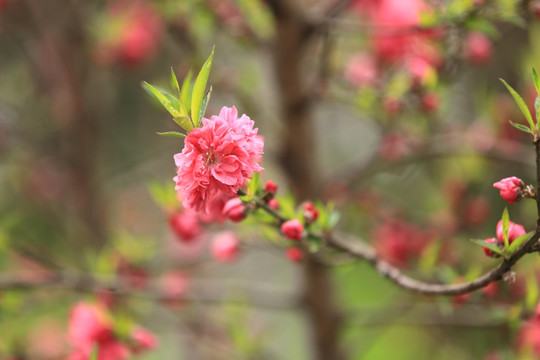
(389, 109)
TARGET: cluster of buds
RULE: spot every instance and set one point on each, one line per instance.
(514, 231)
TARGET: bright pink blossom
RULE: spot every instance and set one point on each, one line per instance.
(225, 246)
(273, 204)
(221, 156)
(235, 210)
(185, 224)
(292, 229)
(510, 189)
(514, 231)
(478, 48)
(295, 254)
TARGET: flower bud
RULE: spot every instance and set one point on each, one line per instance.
(514, 231)
(270, 187)
(295, 254)
(142, 340)
(511, 189)
(234, 209)
(273, 204)
(487, 251)
(225, 246)
(292, 229)
(310, 212)
(430, 102)
(185, 225)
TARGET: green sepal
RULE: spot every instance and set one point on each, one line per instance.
(204, 104)
(522, 106)
(200, 86)
(172, 134)
(518, 242)
(163, 99)
(521, 127)
(314, 244)
(491, 247)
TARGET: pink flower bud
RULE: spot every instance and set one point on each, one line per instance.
(270, 187)
(489, 252)
(292, 229)
(225, 246)
(185, 225)
(295, 254)
(511, 189)
(234, 209)
(514, 231)
(478, 48)
(273, 204)
(391, 106)
(310, 212)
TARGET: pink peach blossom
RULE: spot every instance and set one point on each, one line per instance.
(185, 225)
(514, 231)
(221, 156)
(292, 229)
(235, 209)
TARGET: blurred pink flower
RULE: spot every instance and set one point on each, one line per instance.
(292, 229)
(142, 340)
(477, 48)
(185, 225)
(295, 254)
(225, 246)
(528, 338)
(399, 242)
(222, 155)
(361, 70)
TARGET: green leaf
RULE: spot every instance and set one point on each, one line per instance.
(164, 100)
(174, 83)
(206, 99)
(518, 242)
(522, 106)
(505, 224)
(184, 122)
(185, 93)
(536, 81)
(536, 106)
(494, 248)
(200, 86)
(94, 353)
(172, 134)
(521, 127)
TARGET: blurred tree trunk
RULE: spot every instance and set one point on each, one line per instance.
(297, 157)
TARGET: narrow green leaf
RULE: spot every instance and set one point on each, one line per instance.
(521, 127)
(536, 81)
(184, 122)
(174, 83)
(206, 99)
(505, 224)
(162, 99)
(200, 86)
(536, 106)
(185, 93)
(491, 247)
(518, 242)
(94, 353)
(522, 106)
(172, 134)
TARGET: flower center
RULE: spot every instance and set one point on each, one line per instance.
(211, 158)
